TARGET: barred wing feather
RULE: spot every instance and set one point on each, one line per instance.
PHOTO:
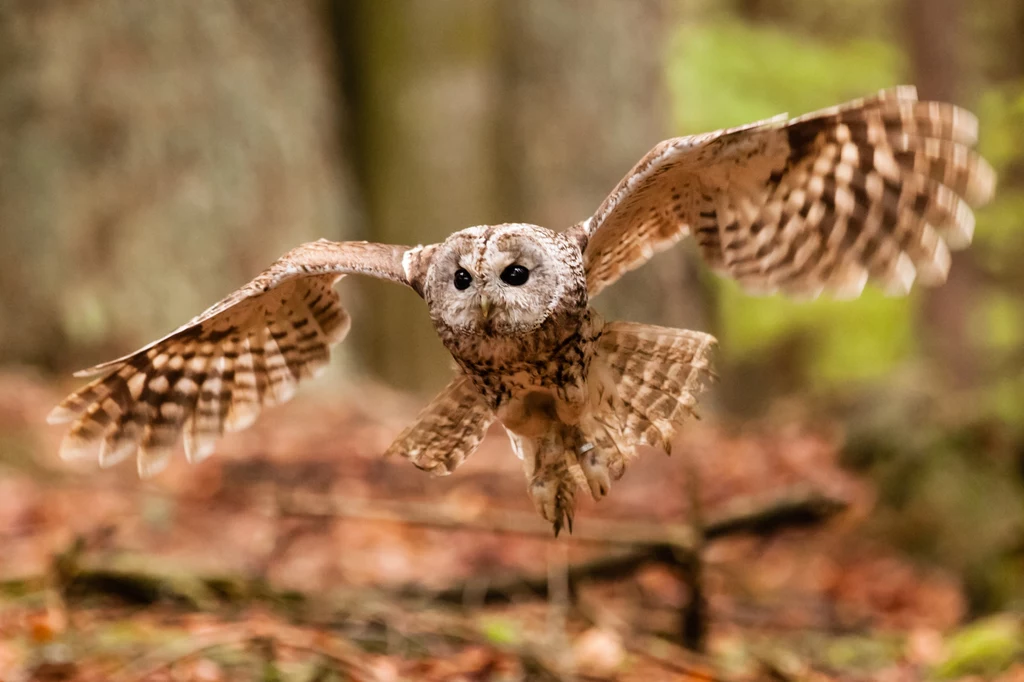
(878, 189)
(217, 372)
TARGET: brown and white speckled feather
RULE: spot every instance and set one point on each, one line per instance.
(876, 189)
(218, 371)
(656, 374)
(448, 430)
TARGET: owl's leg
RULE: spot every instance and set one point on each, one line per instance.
(602, 461)
(605, 447)
(548, 465)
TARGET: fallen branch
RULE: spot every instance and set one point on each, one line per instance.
(639, 543)
(673, 545)
(760, 514)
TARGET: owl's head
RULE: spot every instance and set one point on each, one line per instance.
(502, 279)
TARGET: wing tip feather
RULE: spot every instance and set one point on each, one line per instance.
(152, 460)
(74, 448)
(61, 414)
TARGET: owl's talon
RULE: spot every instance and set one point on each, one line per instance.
(543, 498)
(553, 499)
(595, 468)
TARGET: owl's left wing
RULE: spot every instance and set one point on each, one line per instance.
(879, 188)
(219, 370)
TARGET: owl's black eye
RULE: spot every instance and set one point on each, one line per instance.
(462, 279)
(516, 275)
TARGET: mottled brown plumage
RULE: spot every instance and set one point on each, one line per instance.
(219, 370)
(878, 189)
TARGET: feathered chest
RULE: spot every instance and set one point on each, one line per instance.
(553, 358)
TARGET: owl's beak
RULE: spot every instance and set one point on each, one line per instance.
(485, 307)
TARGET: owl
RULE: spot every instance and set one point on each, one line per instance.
(879, 189)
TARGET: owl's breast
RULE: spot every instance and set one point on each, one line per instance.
(533, 379)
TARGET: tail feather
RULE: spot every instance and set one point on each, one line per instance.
(657, 373)
(644, 383)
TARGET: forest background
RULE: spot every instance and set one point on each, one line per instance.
(155, 156)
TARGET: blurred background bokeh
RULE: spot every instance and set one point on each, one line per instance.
(156, 155)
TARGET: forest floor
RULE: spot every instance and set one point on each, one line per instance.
(299, 553)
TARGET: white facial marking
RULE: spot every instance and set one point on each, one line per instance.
(487, 304)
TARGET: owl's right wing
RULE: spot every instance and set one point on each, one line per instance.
(878, 188)
(218, 371)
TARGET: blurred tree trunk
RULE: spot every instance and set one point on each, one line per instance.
(488, 111)
(934, 29)
(153, 157)
(584, 98)
(420, 81)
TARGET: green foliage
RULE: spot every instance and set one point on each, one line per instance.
(1002, 111)
(998, 320)
(855, 339)
(860, 652)
(998, 325)
(947, 488)
(960, 508)
(986, 647)
(501, 631)
(728, 73)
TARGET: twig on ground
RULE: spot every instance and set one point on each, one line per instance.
(268, 635)
(679, 661)
(558, 605)
(169, 656)
(693, 616)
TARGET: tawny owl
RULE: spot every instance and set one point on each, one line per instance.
(876, 189)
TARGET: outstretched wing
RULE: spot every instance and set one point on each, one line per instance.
(218, 371)
(878, 188)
